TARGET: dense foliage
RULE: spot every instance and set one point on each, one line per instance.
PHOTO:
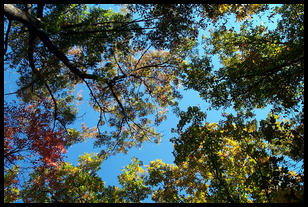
(133, 64)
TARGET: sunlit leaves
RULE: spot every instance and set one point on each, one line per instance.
(66, 183)
(284, 137)
(165, 179)
(239, 159)
(11, 189)
(30, 139)
(174, 23)
(132, 181)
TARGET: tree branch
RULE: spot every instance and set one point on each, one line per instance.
(28, 8)
(67, 26)
(115, 58)
(97, 103)
(16, 14)
(117, 99)
(99, 31)
(34, 25)
(266, 73)
(142, 56)
(40, 8)
(7, 36)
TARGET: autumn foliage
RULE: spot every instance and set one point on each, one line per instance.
(29, 135)
(135, 63)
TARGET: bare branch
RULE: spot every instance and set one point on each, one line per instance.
(154, 65)
(7, 94)
(20, 89)
(98, 104)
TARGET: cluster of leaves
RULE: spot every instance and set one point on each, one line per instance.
(148, 85)
(67, 183)
(70, 44)
(29, 130)
(261, 66)
(241, 162)
(10, 185)
(175, 23)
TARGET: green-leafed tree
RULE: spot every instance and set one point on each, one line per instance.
(261, 65)
(248, 162)
(67, 183)
(239, 160)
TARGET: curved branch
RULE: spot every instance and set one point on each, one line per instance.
(98, 104)
(115, 58)
(71, 32)
(16, 14)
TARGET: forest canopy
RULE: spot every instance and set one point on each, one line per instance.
(134, 64)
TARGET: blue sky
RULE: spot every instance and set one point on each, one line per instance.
(112, 167)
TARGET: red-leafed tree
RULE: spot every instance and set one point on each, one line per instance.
(30, 135)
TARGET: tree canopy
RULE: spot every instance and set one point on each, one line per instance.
(133, 64)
